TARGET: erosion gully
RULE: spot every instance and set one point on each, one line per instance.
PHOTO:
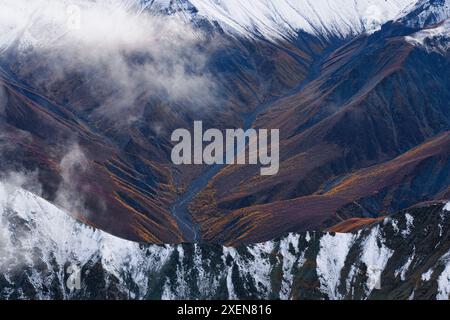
(180, 208)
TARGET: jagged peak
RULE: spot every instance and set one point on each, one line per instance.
(285, 18)
(37, 236)
(425, 13)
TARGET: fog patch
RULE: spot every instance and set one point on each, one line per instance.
(71, 191)
(27, 180)
(123, 53)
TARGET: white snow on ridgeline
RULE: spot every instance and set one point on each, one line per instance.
(292, 259)
(29, 224)
(409, 225)
(58, 235)
(447, 207)
(204, 286)
(284, 18)
(330, 260)
(375, 255)
(254, 265)
(272, 19)
(52, 230)
(38, 21)
(436, 38)
(43, 225)
(307, 237)
(86, 25)
(394, 223)
(402, 271)
(425, 13)
(229, 252)
(427, 275)
(443, 292)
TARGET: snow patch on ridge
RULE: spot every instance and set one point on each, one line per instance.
(427, 275)
(60, 237)
(424, 13)
(443, 292)
(402, 271)
(290, 261)
(375, 256)
(331, 259)
(447, 207)
(435, 39)
(409, 225)
(29, 224)
(285, 18)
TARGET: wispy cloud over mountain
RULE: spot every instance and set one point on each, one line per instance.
(123, 52)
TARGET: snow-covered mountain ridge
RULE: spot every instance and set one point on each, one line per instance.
(435, 39)
(39, 242)
(285, 18)
(269, 19)
(281, 19)
(425, 13)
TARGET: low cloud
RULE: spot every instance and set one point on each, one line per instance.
(71, 191)
(123, 53)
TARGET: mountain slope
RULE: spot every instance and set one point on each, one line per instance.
(50, 108)
(91, 111)
(368, 104)
(401, 257)
(418, 175)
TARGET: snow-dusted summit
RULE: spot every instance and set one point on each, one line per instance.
(436, 38)
(39, 243)
(433, 17)
(271, 19)
(285, 18)
(425, 13)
